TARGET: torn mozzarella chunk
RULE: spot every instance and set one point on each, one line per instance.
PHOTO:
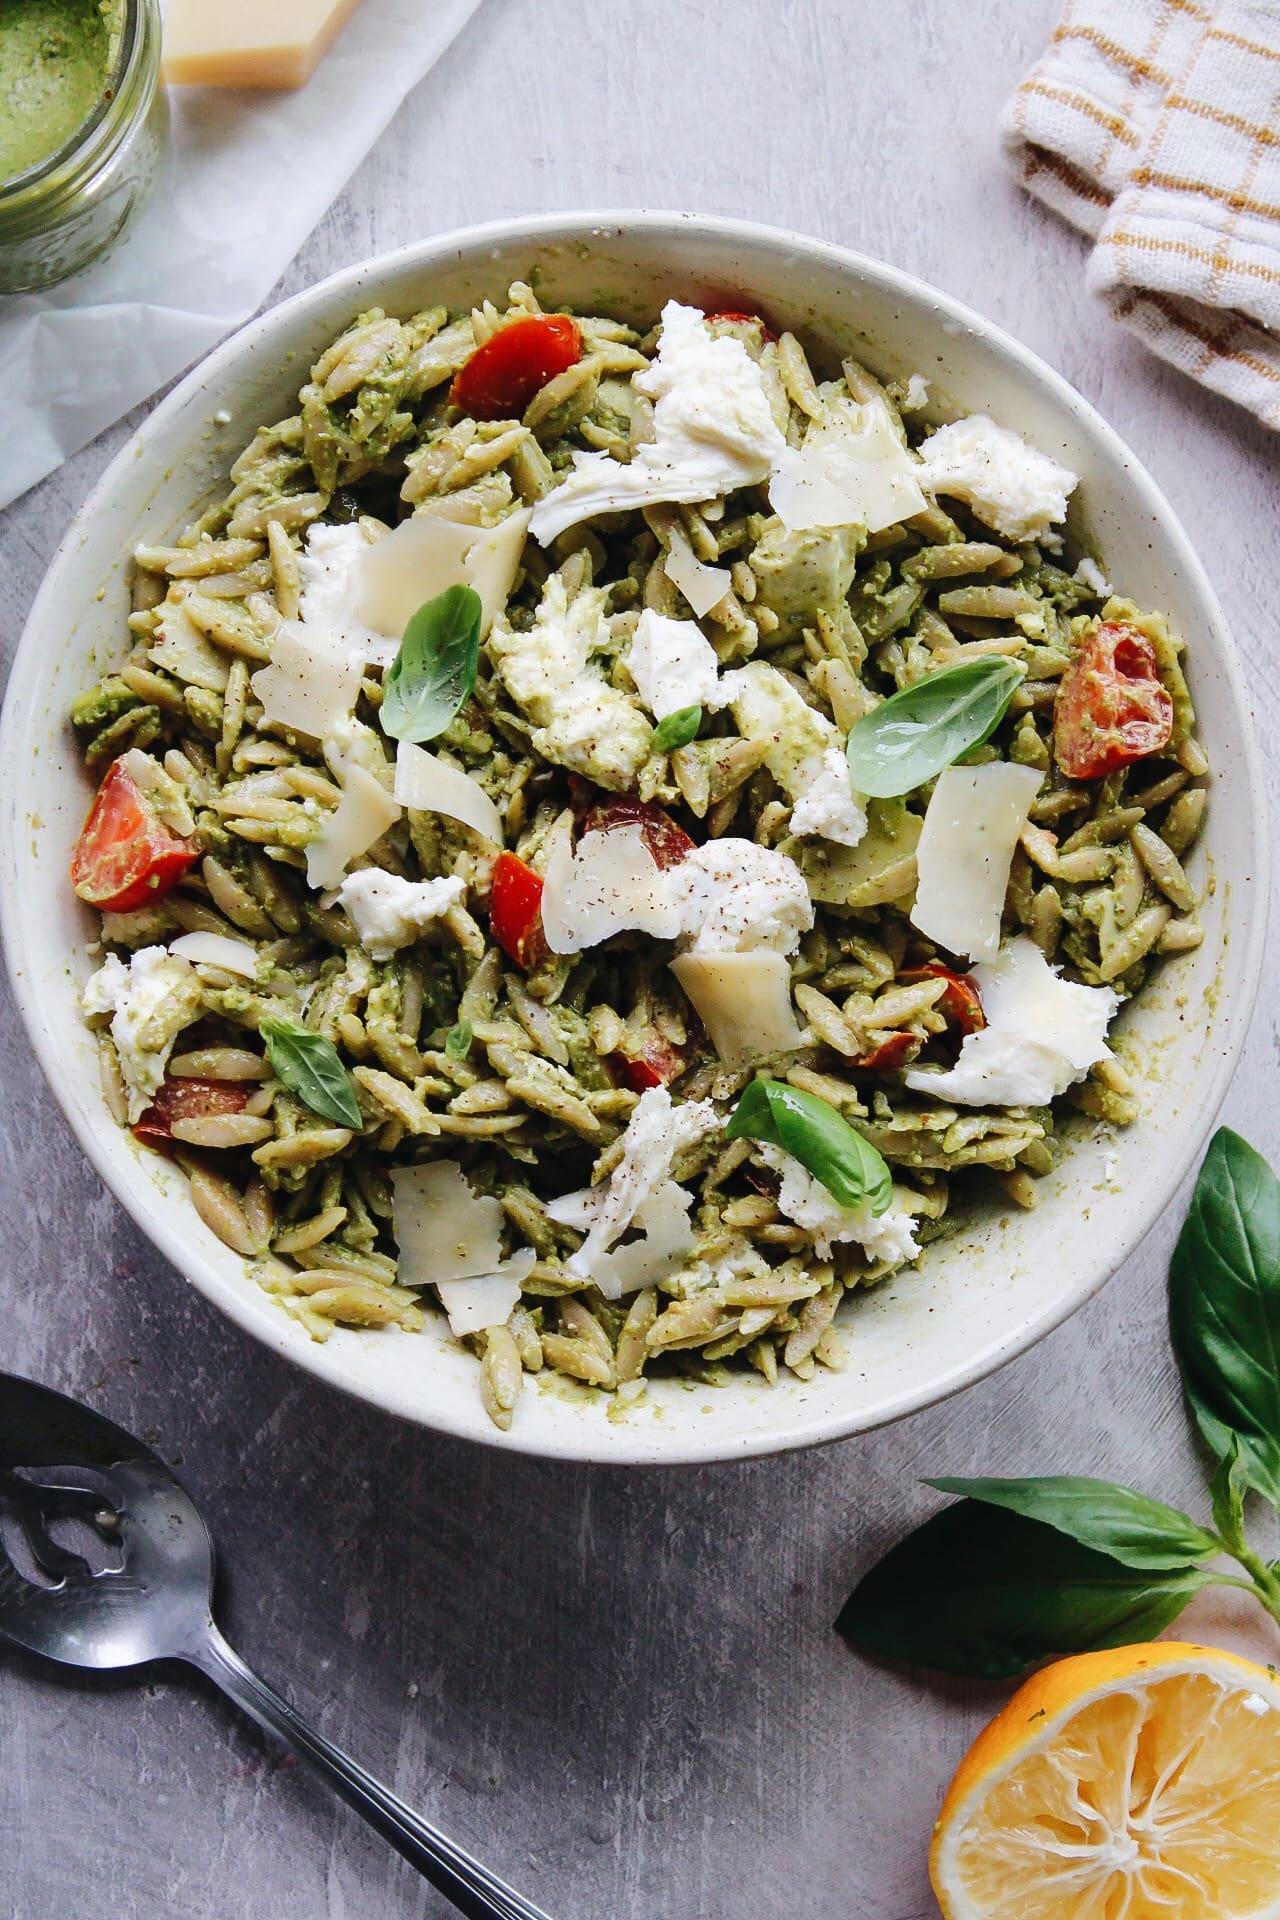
(180, 648)
(312, 682)
(150, 1001)
(1090, 575)
(804, 752)
(609, 884)
(852, 470)
(389, 913)
(329, 568)
(426, 555)
(735, 896)
(426, 784)
(365, 812)
(888, 1237)
(1011, 486)
(486, 1300)
(703, 587)
(657, 1132)
(673, 665)
(971, 828)
(1042, 1034)
(713, 431)
(916, 395)
(217, 950)
(828, 804)
(744, 1002)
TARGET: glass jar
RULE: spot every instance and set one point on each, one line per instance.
(70, 208)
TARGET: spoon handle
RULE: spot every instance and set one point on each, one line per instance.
(477, 1893)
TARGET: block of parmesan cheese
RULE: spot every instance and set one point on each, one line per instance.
(249, 43)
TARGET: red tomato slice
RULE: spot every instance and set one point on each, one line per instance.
(515, 911)
(657, 1064)
(187, 1100)
(668, 843)
(961, 1003)
(889, 1054)
(1112, 706)
(745, 320)
(126, 856)
(502, 376)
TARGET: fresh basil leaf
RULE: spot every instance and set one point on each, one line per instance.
(980, 1590)
(1141, 1533)
(309, 1066)
(1229, 1485)
(457, 1042)
(677, 730)
(821, 1139)
(1224, 1307)
(914, 734)
(435, 669)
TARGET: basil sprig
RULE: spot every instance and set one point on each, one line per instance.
(309, 1066)
(914, 734)
(677, 730)
(818, 1137)
(1019, 1570)
(435, 669)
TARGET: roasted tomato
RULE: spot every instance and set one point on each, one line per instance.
(891, 1053)
(126, 856)
(960, 1004)
(656, 1063)
(187, 1100)
(744, 320)
(668, 843)
(502, 376)
(515, 911)
(1112, 706)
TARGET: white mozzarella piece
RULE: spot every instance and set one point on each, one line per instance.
(852, 470)
(364, 813)
(1042, 1034)
(744, 1002)
(150, 1001)
(443, 1228)
(657, 1131)
(665, 1237)
(179, 646)
(312, 682)
(1090, 575)
(1011, 486)
(486, 1300)
(734, 896)
(427, 784)
(217, 950)
(803, 752)
(828, 804)
(673, 665)
(703, 587)
(713, 431)
(426, 555)
(610, 884)
(329, 567)
(389, 913)
(971, 828)
(886, 1236)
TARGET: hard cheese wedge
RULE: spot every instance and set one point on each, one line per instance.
(249, 43)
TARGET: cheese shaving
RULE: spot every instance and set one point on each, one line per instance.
(744, 1002)
(853, 470)
(610, 884)
(971, 828)
(312, 682)
(427, 784)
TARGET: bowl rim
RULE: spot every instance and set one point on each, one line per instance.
(574, 1440)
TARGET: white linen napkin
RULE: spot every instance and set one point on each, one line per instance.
(249, 174)
(1154, 127)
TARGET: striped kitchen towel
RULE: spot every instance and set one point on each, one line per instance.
(1154, 126)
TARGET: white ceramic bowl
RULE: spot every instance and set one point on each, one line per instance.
(976, 1300)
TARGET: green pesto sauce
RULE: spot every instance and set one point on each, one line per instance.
(56, 59)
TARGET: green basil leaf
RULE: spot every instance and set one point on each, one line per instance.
(1224, 1307)
(914, 734)
(819, 1138)
(457, 1042)
(1229, 1485)
(677, 730)
(980, 1590)
(1141, 1533)
(309, 1066)
(435, 669)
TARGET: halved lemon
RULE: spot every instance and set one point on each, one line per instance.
(1142, 1783)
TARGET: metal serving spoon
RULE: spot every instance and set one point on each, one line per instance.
(63, 1466)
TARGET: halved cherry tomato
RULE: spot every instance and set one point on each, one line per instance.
(889, 1054)
(657, 1063)
(515, 911)
(502, 376)
(187, 1100)
(1112, 706)
(668, 843)
(745, 320)
(961, 1004)
(126, 856)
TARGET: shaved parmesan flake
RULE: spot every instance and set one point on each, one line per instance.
(389, 913)
(182, 650)
(887, 1236)
(444, 1230)
(429, 553)
(217, 950)
(364, 813)
(1042, 1033)
(486, 1300)
(1011, 486)
(312, 682)
(673, 665)
(851, 471)
(666, 1236)
(426, 784)
(610, 884)
(329, 568)
(703, 587)
(971, 828)
(743, 1001)
(713, 429)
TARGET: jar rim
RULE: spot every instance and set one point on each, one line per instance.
(94, 140)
